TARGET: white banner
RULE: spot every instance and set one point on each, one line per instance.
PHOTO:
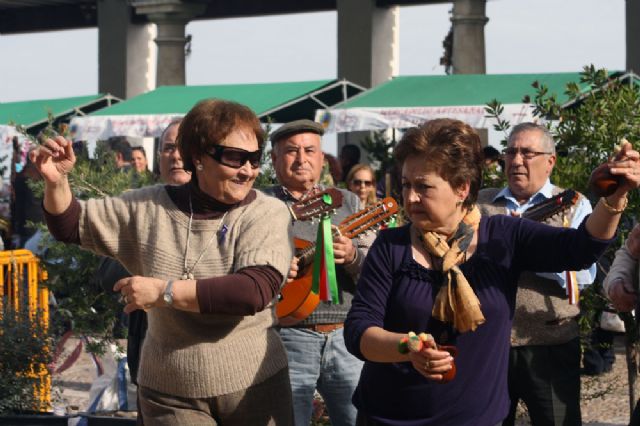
(95, 128)
(355, 119)
(7, 133)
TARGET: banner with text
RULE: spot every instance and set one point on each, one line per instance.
(103, 127)
(356, 119)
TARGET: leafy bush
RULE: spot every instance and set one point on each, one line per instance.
(82, 305)
(601, 110)
(24, 349)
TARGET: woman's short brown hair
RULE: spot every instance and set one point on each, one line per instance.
(450, 148)
(208, 123)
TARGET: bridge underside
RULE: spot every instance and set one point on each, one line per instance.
(21, 16)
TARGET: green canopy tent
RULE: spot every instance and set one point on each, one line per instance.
(35, 114)
(406, 101)
(148, 114)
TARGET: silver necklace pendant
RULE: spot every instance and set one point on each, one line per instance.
(187, 272)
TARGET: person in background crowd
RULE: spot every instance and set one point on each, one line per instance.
(25, 207)
(361, 180)
(331, 170)
(491, 157)
(620, 286)
(621, 283)
(493, 166)
(349, 157)
(545, 344)
(207, 271)
(139, 159)
(452, 273)
(315, 346)
(170, 161)
(122, 150)
(110, 271)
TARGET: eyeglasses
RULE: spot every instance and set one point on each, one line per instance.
(526, 153)
(169, 148)
(235, 157)
(358, 182)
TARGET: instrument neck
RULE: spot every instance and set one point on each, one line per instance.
(306, 255)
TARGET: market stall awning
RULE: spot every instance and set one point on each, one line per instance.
(148, 114)
(34, 114)
(407, 101)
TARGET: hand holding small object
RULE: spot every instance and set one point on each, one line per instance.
(433, 362)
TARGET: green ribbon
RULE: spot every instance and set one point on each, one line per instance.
(392, 223)
(324, 255)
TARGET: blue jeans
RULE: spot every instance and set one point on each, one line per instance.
(319, 360)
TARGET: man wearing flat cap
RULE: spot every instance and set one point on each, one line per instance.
(318, 358)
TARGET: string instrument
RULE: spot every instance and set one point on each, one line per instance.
(297, 300)
(554, 205)
(315, 206)
(602, 182)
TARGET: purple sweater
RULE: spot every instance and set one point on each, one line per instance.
(397, 294)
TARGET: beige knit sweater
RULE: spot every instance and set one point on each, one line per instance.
(191, 354)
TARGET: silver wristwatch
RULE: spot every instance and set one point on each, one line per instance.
(168, 295)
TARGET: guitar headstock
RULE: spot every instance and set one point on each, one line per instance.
(315, 206)
(554, 205)
(369, 218)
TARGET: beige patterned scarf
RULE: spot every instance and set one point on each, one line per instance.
(456, 303)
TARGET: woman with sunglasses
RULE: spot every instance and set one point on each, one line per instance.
(206, 267)
(361, 180)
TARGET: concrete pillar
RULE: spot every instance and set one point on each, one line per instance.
(126, 52)
(368, 42)
(469, 18)
(171, 18)
(633, 35)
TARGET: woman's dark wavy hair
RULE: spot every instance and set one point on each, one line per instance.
(209, 123)
(450, 148)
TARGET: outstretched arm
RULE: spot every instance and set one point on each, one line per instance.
(54, 159)
(604, 220)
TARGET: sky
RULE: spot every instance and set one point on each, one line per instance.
(522, 36)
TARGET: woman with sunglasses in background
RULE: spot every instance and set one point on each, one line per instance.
(361, 180)
(206, 267)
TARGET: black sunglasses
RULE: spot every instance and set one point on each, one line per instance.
(359, 182)
(235, 157)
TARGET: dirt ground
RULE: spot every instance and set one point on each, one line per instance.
(604, 398)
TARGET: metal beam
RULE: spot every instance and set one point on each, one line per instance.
(21, 16)
(633, 35)
(47, 18)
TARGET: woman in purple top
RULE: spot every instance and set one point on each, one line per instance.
(451, 274)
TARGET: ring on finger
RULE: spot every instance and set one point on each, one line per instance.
(427, 365)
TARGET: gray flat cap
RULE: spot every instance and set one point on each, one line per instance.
(295, 127)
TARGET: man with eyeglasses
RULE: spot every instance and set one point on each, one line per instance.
(170, 163)
(318, 358)
(544, 361)
(109, 270)
(172, 172)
